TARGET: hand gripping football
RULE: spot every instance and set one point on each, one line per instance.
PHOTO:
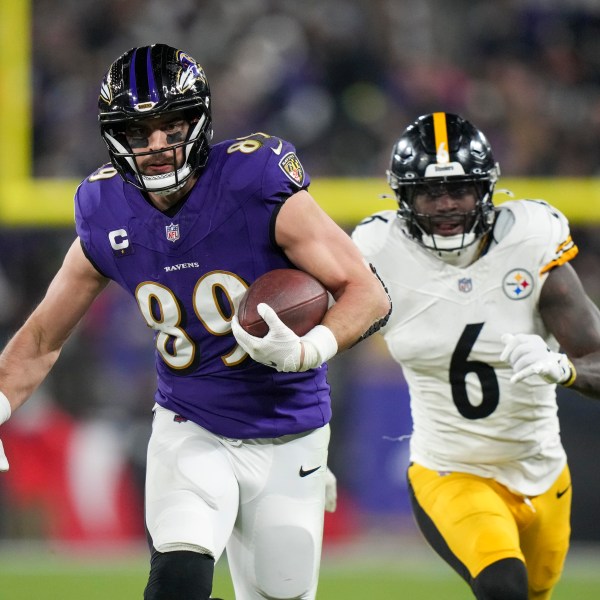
(299, 300)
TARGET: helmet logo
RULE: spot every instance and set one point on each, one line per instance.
(442, 155)
(189, 73)
(443, 170)
(105, 91)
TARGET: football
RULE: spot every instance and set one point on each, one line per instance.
(299, 300)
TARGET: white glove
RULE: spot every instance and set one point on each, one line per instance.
(3, 460)
(5, 412)
(281, 348)
(529, 355)
(330, 491)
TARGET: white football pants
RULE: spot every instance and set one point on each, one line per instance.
(261, 499)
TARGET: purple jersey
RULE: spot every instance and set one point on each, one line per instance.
(184, 272)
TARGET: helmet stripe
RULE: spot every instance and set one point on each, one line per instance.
(140, 68)
(151, 82)
(440, 131)
(132, 80)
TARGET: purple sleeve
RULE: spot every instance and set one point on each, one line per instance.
(284, 174)
(100, 211)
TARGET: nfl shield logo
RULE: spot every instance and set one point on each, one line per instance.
(172, 232)
(465, 284)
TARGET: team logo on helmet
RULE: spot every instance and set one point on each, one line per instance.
(290, 164)
(105, 90)
(189, 73)
(172, 232)
(517, 284)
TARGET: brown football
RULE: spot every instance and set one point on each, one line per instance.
(298, 298)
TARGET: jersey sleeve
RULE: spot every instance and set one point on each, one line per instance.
(561, 247)
(284, 174)
(260, 172)
(86, 202)
(91, 207)
(81, 224)
(271, 169)
(543, 229)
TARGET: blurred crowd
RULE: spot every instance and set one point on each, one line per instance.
(340, 79)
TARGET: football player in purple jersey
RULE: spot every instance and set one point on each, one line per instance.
(237, 458)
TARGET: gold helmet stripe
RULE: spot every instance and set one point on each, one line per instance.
(441, 137)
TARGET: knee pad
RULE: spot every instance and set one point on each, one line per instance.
(180, 574)
(503, 580)
(284, 560)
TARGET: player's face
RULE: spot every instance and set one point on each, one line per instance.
(446, 208)
(157, 135)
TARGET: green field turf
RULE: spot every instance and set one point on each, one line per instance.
(47, 576)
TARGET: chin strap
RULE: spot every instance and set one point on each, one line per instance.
(182, 176)
(465, 256)
(450, 243)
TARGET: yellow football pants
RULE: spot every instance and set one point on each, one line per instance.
(481, 522)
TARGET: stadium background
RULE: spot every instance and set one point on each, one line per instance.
(339, 79)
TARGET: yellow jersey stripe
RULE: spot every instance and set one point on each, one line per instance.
(561, 260)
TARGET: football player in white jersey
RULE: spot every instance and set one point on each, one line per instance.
(492, 317)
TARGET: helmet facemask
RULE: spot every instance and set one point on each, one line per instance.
(474, 223)
(126, 160)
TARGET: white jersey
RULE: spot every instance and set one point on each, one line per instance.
(445, 332)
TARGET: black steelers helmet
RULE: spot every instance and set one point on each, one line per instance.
(438, 150)
(151, 81)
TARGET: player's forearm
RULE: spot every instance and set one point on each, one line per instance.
(24, 364)
(587, 379)
(355, 311)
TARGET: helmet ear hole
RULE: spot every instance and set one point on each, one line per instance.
(151, 81)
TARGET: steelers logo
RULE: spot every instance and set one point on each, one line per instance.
(517, 284)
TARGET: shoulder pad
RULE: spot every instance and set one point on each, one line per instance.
(547, 223)
(371, 233)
